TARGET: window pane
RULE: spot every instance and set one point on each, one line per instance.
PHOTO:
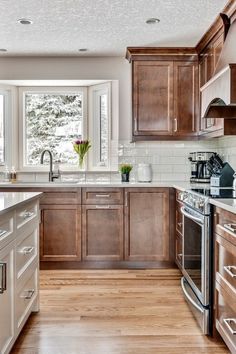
(103, 129)
(53, 121)
(2, 142)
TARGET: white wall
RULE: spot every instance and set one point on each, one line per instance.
(64, 68)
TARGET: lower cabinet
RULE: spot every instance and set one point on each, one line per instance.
(6, 298)
(114, 225)
(225, 276)
(102, 232)
(147, 224)
(60, 233)
(19, 264)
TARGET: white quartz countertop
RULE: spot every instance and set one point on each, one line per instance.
(65, 184)
(13, 198)
(226, 204)
(9, 200)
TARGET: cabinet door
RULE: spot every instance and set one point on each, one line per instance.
(60, 233)
(152, 97)
(6, 298)
(102, 232)
(147, 224)
(186, 99)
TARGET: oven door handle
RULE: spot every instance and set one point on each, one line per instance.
(189, 297)
(190, 216)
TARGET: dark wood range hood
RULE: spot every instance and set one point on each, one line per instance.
(218, 95)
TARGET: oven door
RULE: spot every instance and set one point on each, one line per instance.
(196, 252)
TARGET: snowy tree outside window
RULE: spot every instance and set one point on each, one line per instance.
(53, 121)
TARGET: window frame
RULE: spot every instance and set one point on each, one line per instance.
(22, 91)
(7, 125)
(95, 92)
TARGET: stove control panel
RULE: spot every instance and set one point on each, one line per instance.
(194, 200)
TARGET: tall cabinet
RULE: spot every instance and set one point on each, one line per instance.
(165, 93)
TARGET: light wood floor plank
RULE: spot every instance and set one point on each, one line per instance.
(113, 312)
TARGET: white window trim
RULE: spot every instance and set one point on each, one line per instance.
(7, 126)
(94, 92)
(22, 129)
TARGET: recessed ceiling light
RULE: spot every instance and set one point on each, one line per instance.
(152, 21)
(83, 49)
(25, 21)
(3, 50)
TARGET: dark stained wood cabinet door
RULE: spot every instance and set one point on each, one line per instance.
(147, 224)
(186, 98)
(102, 232)
(152, 97)
(60, 233)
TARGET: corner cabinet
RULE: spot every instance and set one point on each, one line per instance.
(147, 224)
(165, 94)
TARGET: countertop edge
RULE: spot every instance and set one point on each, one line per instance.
(32, 196)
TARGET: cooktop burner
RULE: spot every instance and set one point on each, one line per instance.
(214, 192)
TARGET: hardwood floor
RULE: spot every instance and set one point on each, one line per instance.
(113, 312)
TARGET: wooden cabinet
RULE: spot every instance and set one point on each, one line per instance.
(186, 101)
(225, 276)
(102, 232)
(60, 233)
(208, 61)
(147, 224)
(209, 58)
(60, 228)
(165, 95)
(152, 98)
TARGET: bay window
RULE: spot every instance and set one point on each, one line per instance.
(54, 117)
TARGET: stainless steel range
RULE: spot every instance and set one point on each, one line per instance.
(196, 256)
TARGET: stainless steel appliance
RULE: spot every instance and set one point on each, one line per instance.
(196, 261)
(199, 171)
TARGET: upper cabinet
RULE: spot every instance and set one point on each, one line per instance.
(165, 94)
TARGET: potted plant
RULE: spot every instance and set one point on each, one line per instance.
(125, 169)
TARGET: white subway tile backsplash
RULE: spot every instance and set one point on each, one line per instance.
(169, 159)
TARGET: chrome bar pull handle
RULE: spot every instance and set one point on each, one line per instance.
(228, 322)
(231, 270)
(28, 294)
(26, 250)
(3, 274)
(103, 207)
(175, 125)
(2, 233)
(103, 195)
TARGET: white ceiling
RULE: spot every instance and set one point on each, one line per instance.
(105, 27)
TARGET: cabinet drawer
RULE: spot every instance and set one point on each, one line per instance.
(25, 296)
(225, 224)
(26, 252)
(225, 262)
(92, 196)
(25, 216)
(226, 316)
(6, 229)
(61, 197)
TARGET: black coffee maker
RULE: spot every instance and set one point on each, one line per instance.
(199, 170)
